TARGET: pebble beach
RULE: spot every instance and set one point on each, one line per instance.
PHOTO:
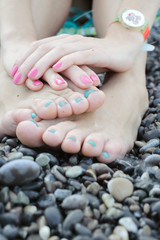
(51, 195)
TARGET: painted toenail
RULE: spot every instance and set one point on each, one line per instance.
(72, 138)
(105, 154)
(52, 131)
(79, 99)
(57, 65)
(62, 103)
(34, 122)
(92, 143)
(37, 83)
(85, 79)
(59, 81)
(17, 78)
(48, 103)
(33, 115)
(94, 78)
(33, 72)
(14, 70)
(88, 91)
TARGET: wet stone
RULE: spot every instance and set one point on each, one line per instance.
(53, 216)
(74, 172)
(27, 151)
(46, 201)
(75, 201)
(18, 172)
(14, 155)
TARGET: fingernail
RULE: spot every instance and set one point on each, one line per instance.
(92, 143)
(52, 131)
(33, 115)
(88, 91)
(13, 71)
(34, 122)
(48, 103)
(105, 154)
(72, 138)
(57, 65)
(79, 99)
(17, 78)
(85, 79)
(94, 78)
(33, 72)
(37, 83)
(59, 81)
(62, 103)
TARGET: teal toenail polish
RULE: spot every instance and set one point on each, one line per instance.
(79, 99)
(34, 122)
(72, 138)
(48, 103)
(105, 154)
(88, 91)
(92, 143)
(33, 115)
(62, 103)
(52, 131)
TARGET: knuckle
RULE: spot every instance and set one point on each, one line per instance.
(44, 48)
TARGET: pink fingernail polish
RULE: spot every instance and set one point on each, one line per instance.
(17, 78)
(33, 72)
(13, 71)
(59, 81)
(94, 78)
(57, 65)
(37, 83)
(85, 79)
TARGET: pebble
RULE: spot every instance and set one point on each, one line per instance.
(58, 175)
(74, 172)
(149, 144)
(18, 172)
(108, 200)
(53, 216)
(93, 188)
(10, 231)
(46, 200)
(80, 229)
(14, 155)
(44, 232)
(61, 194)
(128, 223)
(120, 188)
(121, 232)
(75, 201)
(152, 160)
(100, 168)
(42, 160)
(72, 218)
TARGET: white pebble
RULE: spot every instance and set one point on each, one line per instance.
(44, 232)
(128, 223)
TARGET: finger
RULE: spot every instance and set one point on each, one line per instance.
(93, 76)
(55, 80)
(36, 85)
(78, 76)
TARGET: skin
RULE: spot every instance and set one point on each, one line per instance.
(106, 133)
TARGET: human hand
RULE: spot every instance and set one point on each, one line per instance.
(39, 51)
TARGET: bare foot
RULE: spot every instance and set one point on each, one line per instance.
(107, 133)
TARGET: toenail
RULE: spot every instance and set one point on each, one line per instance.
(94, 78)
(33, 115)
(79, 99)
(62, 103)
(52, 131)
(37, 83)
(34, 122)
(88, 91)
(72, 138)
(17, 78)
(59, 81)
(57, 65)
(105, 154)
(92, 143)
(14, 70)
(48, 103)
(85, 79)
(33, 72)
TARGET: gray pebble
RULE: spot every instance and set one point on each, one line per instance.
(61, 194)
(46, 200)
(42, 160)
(58, 175)
(75, 201)
(155, 133)
(152, 160)
(2, 237)
(18, 172)
(8, 218)
(72, 218)
(53, 216)
(14, 155)
(93, 188)
(27, 151)
(82, 230)
(74, 172)
(149, 144)
(10, 231)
